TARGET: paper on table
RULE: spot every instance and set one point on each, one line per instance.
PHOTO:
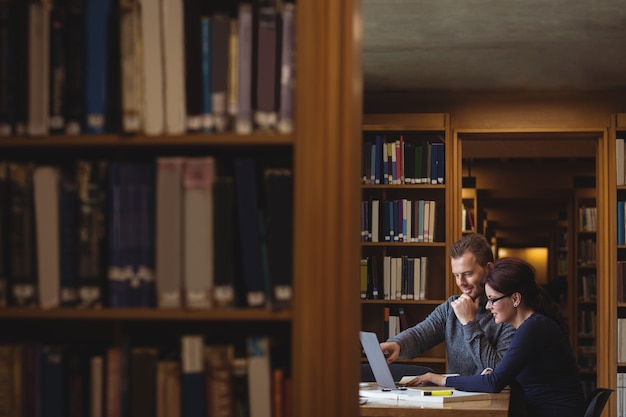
(415, 394)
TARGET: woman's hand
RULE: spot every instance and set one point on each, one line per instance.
(428, 378)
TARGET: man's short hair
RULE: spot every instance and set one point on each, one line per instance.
(474, 243)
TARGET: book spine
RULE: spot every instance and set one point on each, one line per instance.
(68, 230)
(75, 67)
(22, 235)
(58, 58)
(219, 71)
(243, 122)
(199, 177)
(151, 69)
(146, 242)
(4, 231)
(7, 64)
(131, 60)
(22, 70)
(224, 222)
(233, 68)
(172, 39)
(91, 178)
(169, 231)
(38, 64)
(267, 65)
(96, 61)
(193, 386)
(249, 221)
(279, 201)
(53, 382)
(259, 377)
(193, 64)
(218, 366)
(46, 185)
(208, 122)
(287, 73)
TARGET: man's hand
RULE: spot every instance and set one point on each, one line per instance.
(428, 378)
(391, 350)
(465, 308)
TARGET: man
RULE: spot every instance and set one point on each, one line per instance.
(474, 342)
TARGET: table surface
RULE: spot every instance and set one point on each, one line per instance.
(496, 406)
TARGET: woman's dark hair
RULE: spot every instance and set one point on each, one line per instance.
(511, 275)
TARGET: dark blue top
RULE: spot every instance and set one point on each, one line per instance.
(540, 359)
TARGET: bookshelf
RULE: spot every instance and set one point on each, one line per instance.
(405, 247)
(586, 284)
(325, 231)
(619, 129)
(469, 211)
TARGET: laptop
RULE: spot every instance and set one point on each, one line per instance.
(377, 361)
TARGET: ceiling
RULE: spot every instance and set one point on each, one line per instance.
(504, 45)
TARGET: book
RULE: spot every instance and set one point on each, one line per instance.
(240, 386)
(68, 237)
(279, 209)
(119, 269)
(143, 382)
(5, 254)
(8, 63)
(192, 383)
(267, 65)
(243, 122)
(75, 67)
(169, 231)
(132, 63)
(619, 160)
(233, 70)
(96, 386)
(206, 24)
(224, 237)
(218, 364)
(58, 65)
(8, 365)
(193, 64)
(168, 388)
(53, 381)
(219, 69)
(198, 281)
(96, 64)
(173, 51)
(151, 72)
(22, 235)
(249, 220)
(145, 220)
(287, 72)
(20, 93)
(91, 179)
(46, 186)
(38, 68)
(259, 376)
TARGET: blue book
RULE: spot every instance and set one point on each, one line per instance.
(52, 382)
(68, 238)
(379, 159)
(620, 223)
(96, 35)
(248, 214)
(206, 33)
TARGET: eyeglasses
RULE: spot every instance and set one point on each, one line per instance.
(492, 301)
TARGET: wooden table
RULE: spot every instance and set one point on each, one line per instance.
(496, 406)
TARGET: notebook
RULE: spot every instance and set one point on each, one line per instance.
(377, 361)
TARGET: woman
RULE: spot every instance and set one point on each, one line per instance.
(539, 359)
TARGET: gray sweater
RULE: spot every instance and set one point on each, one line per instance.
(471, 348)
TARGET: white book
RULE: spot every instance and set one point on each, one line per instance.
(287, 73)
(619, 160)
(417, 271)
(375, 220)
(199, 176)
(38, 68)
(172, 41)
(259, 377)
(169, 231)
(152, 56)
(422, 285)
(397, 276)
(427, 221)
(431, 221)
(46, 183)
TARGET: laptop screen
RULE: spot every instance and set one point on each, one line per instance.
(377, 360)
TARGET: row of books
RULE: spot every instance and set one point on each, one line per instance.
(467, 218)
(394, 278)
(587, 219)
(587, 287)
(620, 158)
(394, 323)
(587, 250)
(153, 67)
(621, 222)
(399, 220)
(396, 161)
(621, 394)
(621, 281)
(169, 233)
(199, 381)
(587, 323)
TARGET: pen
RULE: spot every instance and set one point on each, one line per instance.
(433, 393)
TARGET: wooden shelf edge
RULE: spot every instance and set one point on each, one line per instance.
(116, 140)
(147, 314)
